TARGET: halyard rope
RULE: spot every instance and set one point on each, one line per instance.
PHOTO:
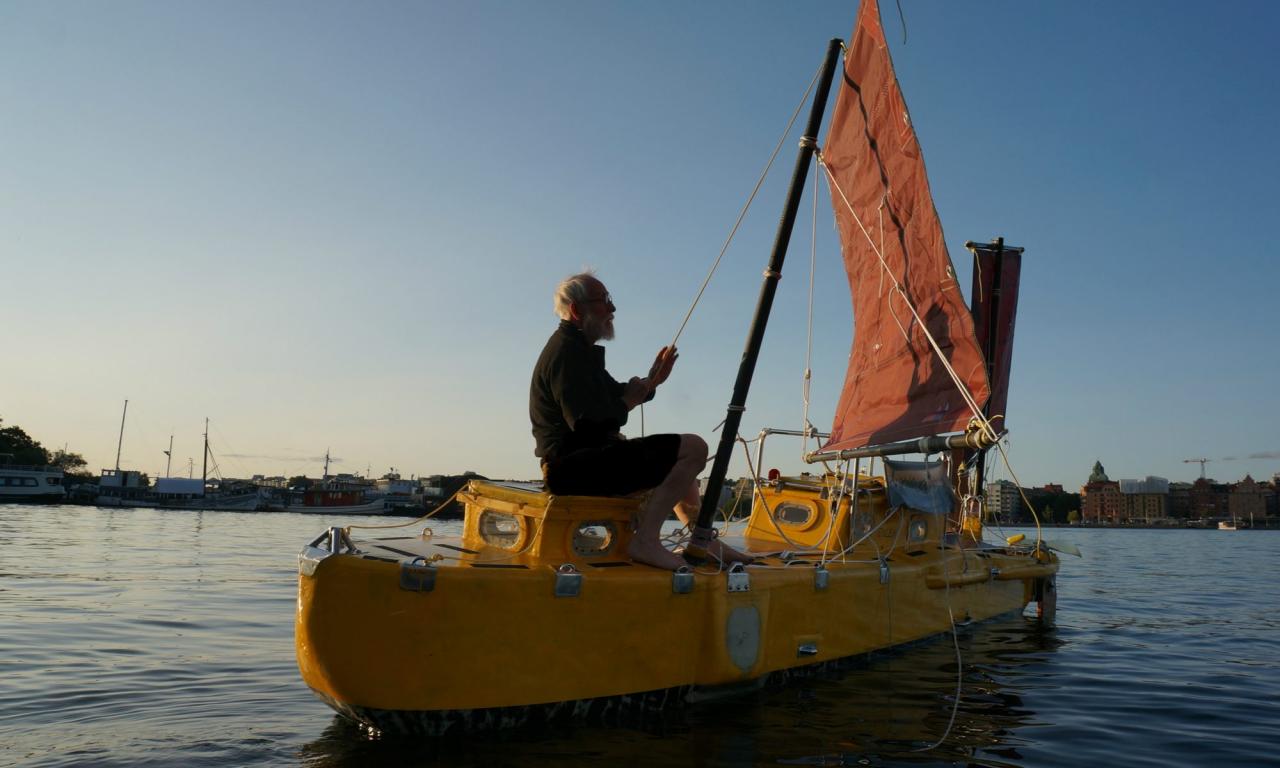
(750, 198)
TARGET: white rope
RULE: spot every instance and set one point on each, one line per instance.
(750, 198)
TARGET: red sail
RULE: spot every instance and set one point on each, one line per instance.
(896, 387)
(984, 296)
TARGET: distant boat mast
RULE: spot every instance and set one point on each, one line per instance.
(120, 443)
(204, 460)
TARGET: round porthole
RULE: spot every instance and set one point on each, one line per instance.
(499, 529)
(594, 538)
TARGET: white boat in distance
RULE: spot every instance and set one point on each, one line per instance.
(30, 483)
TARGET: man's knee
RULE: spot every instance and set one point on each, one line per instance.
(693, 448)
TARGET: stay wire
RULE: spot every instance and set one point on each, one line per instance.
(808, 347)
(746, 206)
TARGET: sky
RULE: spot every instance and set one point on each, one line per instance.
(337, 226)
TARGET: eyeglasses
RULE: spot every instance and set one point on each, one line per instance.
(606, 299)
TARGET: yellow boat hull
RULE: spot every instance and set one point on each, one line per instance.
(395, 636)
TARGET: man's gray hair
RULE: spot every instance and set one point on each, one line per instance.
(573, 289)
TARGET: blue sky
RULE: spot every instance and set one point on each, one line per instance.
(338, 225)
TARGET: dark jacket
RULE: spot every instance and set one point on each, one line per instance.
(573, 401)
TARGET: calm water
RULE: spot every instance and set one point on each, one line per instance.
(138, 637)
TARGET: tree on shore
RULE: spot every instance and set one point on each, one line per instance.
(20, 448)
(72, 464)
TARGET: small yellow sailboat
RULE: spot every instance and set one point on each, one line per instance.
(535, 612)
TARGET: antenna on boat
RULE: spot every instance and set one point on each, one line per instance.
(697, 549)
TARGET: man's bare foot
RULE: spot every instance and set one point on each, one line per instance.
(653, 553)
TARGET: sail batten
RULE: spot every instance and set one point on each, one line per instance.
(916, 367)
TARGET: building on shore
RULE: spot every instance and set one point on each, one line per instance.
(1003, 500)
(1101, 502)
(1145, 501)
(1209, 500)
(1247, 500)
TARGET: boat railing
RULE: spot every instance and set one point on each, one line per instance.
(31, 467)
(767, 431)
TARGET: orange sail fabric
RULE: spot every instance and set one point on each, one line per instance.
(896, 388)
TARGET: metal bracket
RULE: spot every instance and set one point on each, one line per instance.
(682, 580)
(821, 576)
(332, 542)
(739, 581)
(417, 575)
(568, 581)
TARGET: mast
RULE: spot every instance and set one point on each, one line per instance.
(120, 443)
(733, 417)
(204, 460)
(168, 456)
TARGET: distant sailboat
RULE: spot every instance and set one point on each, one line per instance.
(127, 488)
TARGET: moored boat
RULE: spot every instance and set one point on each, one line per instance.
(535, 611)
(338, 495)
(31, 484)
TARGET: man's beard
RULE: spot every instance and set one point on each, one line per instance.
(598, 327)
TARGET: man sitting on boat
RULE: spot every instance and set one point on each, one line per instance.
(577, 410)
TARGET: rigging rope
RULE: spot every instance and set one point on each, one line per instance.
(808, 347)
(746, 206)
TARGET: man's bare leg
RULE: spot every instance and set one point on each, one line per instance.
(687, 510)
(646, 545)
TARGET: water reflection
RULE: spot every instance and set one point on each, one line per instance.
(888, 710)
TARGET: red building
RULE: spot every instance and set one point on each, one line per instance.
(1101, 502)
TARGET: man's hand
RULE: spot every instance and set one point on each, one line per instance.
(662, 365)
(636, 392)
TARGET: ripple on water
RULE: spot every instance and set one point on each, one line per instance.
(139, 637)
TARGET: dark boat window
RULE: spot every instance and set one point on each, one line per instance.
(792, 513)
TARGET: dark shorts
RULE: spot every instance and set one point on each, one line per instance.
(616, 469)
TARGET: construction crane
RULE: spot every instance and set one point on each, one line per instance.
(1201, 462)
